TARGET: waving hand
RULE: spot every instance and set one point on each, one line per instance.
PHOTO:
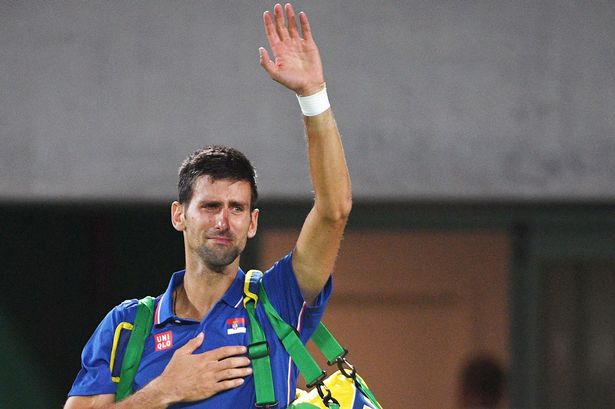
(296, 63)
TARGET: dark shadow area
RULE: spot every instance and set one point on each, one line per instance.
(64, 266)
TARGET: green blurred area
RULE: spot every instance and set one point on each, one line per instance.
(22, 383)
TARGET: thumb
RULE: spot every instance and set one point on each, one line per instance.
(193, 344)
(266, 62)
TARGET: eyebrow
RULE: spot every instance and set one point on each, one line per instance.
(238, 203)
(220, 202)
(209, 202)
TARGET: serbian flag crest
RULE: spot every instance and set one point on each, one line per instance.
(236, 326)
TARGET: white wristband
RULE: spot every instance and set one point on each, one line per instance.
(314, 104)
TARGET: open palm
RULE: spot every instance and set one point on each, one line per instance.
(297, 63)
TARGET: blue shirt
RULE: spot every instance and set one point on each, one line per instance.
(226, 324)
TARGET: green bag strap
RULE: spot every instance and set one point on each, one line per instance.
(326, 343)
(308, 367)
(140, 330)
(292, 343)
(322, 337)
(363, 387)
(263, 379)
(258, 350)
(335, 354)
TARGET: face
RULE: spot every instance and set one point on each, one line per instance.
(217, 221)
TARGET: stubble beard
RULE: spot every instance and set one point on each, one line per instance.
(218, 259)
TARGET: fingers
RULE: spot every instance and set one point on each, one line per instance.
(234, 362)
(280, 27)
(292, 22)
(272, 35)
(305, 27)
(229, 384)
(197, 376)
(221, 353)
(235, 369)
(277, 28)
(231, 367)
(193, 344)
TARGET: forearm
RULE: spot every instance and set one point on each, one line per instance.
(152, 396)
(319, 240)
(328, 169)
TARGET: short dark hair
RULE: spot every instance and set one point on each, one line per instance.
(219, 162)
(482, 378)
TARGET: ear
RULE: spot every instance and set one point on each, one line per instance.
(253, 223)
(177, 216)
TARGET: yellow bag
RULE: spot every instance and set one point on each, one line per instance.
(342, 388)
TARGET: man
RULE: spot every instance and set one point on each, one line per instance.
(195, 356)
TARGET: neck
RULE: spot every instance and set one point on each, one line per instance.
(201, 289)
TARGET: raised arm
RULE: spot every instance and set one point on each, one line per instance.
(297, 66)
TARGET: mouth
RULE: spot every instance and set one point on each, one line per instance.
(221, 240)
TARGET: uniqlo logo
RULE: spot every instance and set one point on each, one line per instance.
(163, 341)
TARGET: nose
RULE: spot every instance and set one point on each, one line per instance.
(222, 219)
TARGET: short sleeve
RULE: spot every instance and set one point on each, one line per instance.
(94, 377)
(280, 283)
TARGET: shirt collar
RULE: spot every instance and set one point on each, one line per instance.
(164, 310)
(234, 295)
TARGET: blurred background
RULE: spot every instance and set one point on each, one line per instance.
(480, 137)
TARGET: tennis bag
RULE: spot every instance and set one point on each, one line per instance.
(344, 389)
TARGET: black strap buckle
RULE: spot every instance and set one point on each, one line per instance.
(338, 358)
(325, 395)
(344, 365)
(317, 381)
(258, 350)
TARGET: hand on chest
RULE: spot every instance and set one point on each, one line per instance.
(166, 339)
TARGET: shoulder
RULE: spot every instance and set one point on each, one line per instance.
(282, 288)
(281, 276)
(115, 325)
(283, 265)
(125, 311)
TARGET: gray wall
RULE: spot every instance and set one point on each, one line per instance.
(435, 99)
